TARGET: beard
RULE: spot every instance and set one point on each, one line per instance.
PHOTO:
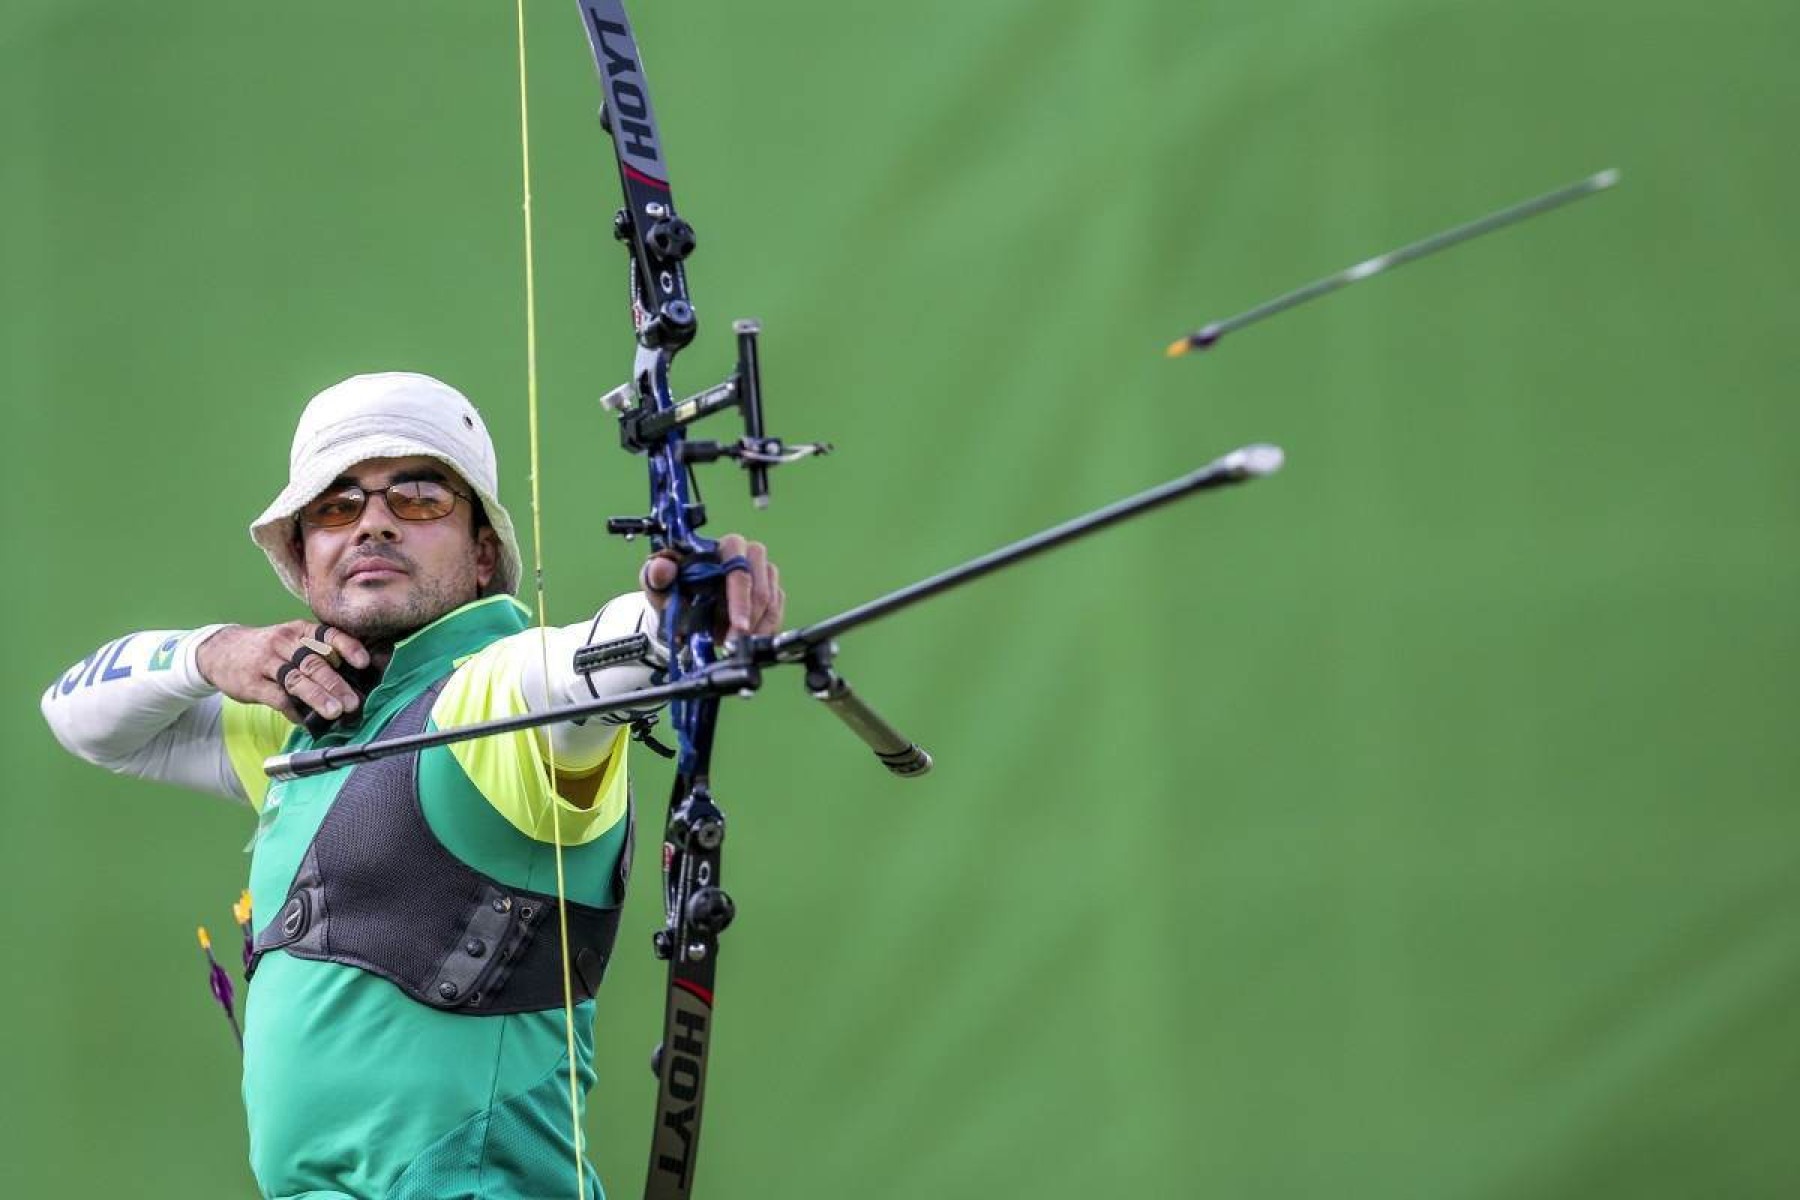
(379, 614)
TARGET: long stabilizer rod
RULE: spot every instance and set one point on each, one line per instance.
(1250, 462)
(811, 646)
(1208, 336)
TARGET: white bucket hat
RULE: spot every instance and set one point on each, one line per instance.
(388, 415)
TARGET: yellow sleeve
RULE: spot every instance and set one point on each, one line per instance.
(512, 770)
(252, 733)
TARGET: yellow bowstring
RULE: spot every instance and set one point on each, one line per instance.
(537, 556)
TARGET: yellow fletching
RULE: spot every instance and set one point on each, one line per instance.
(205, 939)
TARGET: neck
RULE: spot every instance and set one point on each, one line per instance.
(382, 642)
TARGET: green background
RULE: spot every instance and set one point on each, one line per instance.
(1419, 822)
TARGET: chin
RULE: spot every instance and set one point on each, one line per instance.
(370, 612)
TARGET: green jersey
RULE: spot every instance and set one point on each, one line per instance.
(353, 1089)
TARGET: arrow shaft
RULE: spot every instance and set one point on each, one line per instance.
(1207, 336)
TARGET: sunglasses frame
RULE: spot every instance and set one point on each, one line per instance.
(386, 498)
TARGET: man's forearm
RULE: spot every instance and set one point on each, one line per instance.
(589, 741)
(111, 707)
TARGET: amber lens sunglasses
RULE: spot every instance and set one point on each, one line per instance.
(416, 500)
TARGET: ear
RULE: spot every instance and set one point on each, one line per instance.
(487, 557)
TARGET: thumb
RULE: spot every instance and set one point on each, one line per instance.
(657, 577)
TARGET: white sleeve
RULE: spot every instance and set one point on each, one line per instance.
(139, 706)
(588, 741)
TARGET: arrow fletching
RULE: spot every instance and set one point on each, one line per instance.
(220, 983)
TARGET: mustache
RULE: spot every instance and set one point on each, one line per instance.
(369, 554)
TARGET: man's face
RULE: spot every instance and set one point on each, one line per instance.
(380, 578)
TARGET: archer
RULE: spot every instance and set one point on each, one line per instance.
(404, 1033)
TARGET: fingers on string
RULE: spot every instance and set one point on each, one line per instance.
(274, 691)
(352, 651)
(276, 666)
(322, 648)
(309, 675)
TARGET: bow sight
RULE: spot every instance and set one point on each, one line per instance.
(642, 429)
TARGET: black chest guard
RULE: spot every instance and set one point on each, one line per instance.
(378, 891)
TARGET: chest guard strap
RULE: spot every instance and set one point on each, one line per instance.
(377, 890)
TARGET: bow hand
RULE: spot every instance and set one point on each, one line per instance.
(754, 600)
